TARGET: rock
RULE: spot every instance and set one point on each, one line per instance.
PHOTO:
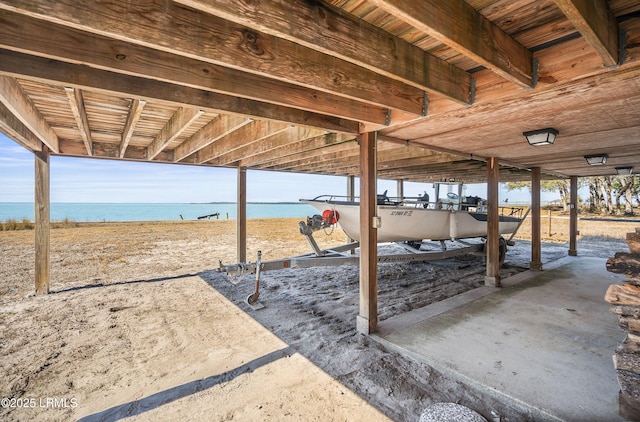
(450, 412)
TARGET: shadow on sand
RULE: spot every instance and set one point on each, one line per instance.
(161, 398)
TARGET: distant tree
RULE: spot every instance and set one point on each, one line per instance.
(626, 186)
(635, 189)
(607, 187)
(606, 193)
(595, 196)
(561, 186)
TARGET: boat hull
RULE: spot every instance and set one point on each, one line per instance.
(402, 223)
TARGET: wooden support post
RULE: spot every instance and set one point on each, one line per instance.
(492, 278)
(536, 248)
(351, 196)
(367, 320)
(351, 188)
(241, 222)
(400, 189)
(42, 226)
(573, 216)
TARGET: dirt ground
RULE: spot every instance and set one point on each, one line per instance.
(140, 325)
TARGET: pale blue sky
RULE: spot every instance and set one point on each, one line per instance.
(100, 180)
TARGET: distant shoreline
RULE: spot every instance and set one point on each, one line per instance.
(158, 203)
(103, 212)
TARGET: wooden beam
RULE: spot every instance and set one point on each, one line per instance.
(536, 249)
(289, 136)
(322, 27)
(573, 215)
(492, 278)
(112, 150)
(216, 129)
(76, 101)
(331, 156)
(16, 130)
(458, 25)
(241, 220)
(20, 105)
(85, 77)
(42, 222)
(178, 123)
(172, 28)
(389, 158)
(246, 134)
(135, 112)
(296, 150)
(46, 39)
(596, 24)
(367, 320)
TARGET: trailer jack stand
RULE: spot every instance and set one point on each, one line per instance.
(252, 299)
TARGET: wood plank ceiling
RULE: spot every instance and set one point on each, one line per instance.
(286, 85)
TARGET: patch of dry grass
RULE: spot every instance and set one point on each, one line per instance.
(556, 229)
(12, 224)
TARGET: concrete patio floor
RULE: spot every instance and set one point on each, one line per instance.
(544, 340)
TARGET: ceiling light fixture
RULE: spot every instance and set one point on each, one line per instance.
(596, 160)
(540, 137)
(624, 170)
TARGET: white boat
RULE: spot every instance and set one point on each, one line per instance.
(411, 220)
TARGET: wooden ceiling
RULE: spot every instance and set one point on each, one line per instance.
(286, 85)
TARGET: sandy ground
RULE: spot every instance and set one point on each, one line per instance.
(140, 326)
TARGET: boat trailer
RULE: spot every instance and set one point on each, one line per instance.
(340, 255)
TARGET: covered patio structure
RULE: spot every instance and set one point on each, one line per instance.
(391, 89)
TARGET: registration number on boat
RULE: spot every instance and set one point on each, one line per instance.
(402, 213)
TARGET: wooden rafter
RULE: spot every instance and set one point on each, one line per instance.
(596, 23)
(458, 25)
(135, 112)
(284, 138)
(252, 132)
(216, 129)
(332, 157)
(179, 122)
(76, 101)
(218, 41)
(329, 159)
(297, 149)
(20, 105)
(50, 40)
(85, 77)
(391, 159)
(16, 130)
(321, 27)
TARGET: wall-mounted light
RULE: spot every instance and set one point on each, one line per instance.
(596, 160)
(540, 137)
(624, 170)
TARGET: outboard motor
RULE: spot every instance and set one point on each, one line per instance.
(319, 222)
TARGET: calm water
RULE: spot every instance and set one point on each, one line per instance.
(82, 212)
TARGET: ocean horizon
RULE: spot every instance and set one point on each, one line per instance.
(107, 212)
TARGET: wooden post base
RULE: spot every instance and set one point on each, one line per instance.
(363, 325)
(492, 281)
(535, 266)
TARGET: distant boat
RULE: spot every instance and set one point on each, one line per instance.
(412, 220)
